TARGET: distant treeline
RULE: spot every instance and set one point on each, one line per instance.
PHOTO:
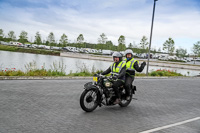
(102, 43)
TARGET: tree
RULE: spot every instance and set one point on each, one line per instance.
(134, 45)
(121, 40)
(181, 52)
(169, 46)
(109, 45)
(23, 37)
(137, 51)
(196, 48)
(80, 39)
(121, 43)
(102, 39)
(11, 35)
(51, 39)
(154, 51)
(130, 45)
(144, 44)
(63, 40)
(159, 50)
(1, 33)
(38, 39)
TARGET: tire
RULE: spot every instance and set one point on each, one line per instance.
(124, 102)
(89, 100)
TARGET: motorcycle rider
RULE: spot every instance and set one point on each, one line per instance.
(118, 71)
(131, 66)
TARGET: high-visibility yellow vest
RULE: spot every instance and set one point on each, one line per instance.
(130, 64)
(115, 70)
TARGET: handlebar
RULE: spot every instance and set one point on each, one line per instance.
(105, 77)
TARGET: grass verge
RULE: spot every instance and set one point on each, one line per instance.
(28, 50)
(44, 72)
(59, 70)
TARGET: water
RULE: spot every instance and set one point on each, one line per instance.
(19, 60)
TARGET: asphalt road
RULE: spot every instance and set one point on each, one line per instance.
(52, 106)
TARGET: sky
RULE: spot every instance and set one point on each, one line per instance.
(178, 19)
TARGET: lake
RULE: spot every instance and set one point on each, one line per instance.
(19, 60)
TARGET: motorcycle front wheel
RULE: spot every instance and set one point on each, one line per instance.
(89, 100)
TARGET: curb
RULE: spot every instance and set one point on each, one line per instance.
(69, 78)
(39, 78)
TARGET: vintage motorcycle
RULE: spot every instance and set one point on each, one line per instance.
(100, 92)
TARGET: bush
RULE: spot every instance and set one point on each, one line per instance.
(172, 60)
(153, 74)
(32, 70)
(58, 69)
(164, 72)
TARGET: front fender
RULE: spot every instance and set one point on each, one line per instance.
(90, 85)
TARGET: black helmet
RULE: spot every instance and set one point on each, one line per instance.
(117, 54)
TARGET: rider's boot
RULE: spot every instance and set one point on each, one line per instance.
(117, 101)
(128, 93)
(128, 98)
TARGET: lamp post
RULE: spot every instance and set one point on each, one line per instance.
(154, 5)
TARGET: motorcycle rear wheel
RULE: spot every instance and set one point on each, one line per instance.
(124, 102)
(89, 100)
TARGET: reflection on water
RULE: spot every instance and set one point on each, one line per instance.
(19, 60)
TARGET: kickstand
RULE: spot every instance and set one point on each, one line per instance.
(134, 98)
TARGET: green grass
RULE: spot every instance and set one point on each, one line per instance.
(140, 74)
(174, 60)
(84, 73)
(58, 69)
(37, 72)
(32, 70)
(164, 73)
(158, 73)
(44, 72)
(26, 50)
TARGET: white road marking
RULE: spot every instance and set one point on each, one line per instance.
(171, 125)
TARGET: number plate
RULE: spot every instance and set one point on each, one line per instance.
(95, 79)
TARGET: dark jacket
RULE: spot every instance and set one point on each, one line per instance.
(137, 68)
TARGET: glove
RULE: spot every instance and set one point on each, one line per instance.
(143, 64)
(96, 74)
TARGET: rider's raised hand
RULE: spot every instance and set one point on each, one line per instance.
(143, 64)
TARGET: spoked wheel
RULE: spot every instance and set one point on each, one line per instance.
(124, 102)
(89, 100)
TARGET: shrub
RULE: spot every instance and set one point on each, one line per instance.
(164, 72)
(32, 70)
(153, 74)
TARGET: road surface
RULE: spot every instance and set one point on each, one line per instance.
(52, 106)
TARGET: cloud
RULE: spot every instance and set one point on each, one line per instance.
(131, 18)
